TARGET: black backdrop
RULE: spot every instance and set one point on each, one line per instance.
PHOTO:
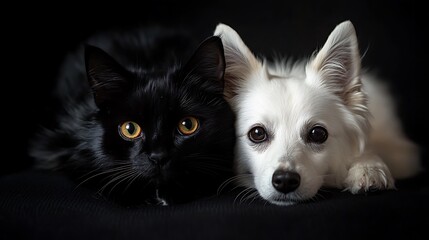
(37, 38)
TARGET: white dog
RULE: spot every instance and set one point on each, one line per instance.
(311, 124)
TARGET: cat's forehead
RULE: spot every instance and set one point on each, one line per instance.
(157, 81)
(155, 72)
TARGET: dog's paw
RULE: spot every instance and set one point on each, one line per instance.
(367, 176)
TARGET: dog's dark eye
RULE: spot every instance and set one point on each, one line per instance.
(257, 134)
(317, 135)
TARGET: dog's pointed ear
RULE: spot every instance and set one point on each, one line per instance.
(337, 65)
(240, 61)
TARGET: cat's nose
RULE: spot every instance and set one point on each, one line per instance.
(285, 181)
(158, 157)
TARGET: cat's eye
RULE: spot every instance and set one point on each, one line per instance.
(130, 130)
(188, 125)
(317, 135)
(258, 134)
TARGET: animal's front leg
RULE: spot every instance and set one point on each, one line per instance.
(369, 173)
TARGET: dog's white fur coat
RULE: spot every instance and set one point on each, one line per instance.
(366, 147)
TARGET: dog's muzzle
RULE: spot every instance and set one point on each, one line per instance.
(285, 181)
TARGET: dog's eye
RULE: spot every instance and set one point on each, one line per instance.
(130, 130)
(257, 134)
(317, 135)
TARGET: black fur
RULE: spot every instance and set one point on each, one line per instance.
(138, 76)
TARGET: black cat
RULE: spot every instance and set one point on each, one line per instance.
(137, 125)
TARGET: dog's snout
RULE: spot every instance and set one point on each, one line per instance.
(285, 181)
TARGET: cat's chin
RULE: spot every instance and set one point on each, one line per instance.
(158, 200)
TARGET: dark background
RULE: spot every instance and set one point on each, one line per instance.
(38, 37)
(37, 205)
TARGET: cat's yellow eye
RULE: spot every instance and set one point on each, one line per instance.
(130, 130)
(188, 125)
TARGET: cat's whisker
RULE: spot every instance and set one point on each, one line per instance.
(108, 171)
(94, 176)
(117, 176)
(135, 177)
(126, 176)
(90, 172)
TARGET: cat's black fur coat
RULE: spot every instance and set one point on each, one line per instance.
(154, 78)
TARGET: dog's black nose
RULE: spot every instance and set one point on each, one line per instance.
(285, 181)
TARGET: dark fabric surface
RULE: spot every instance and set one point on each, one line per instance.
(41, 205)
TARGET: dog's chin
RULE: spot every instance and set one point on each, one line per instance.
(283, 202)
(281, 199)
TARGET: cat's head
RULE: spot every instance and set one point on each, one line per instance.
(168, 131)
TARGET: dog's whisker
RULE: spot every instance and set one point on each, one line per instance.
(246, 195)
(243, 192)
(253, 196)
(323, 189)
(318, 195)
(232, 180)
(225, 183)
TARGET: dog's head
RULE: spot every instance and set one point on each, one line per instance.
(298, 125)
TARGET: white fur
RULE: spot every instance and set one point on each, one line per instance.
(366, 148)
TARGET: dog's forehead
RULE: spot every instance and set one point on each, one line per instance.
(279, 94)
(283, 101)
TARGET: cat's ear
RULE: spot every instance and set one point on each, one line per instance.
(106, 77)
(240, 61)
(207, 65)
(337, 65)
